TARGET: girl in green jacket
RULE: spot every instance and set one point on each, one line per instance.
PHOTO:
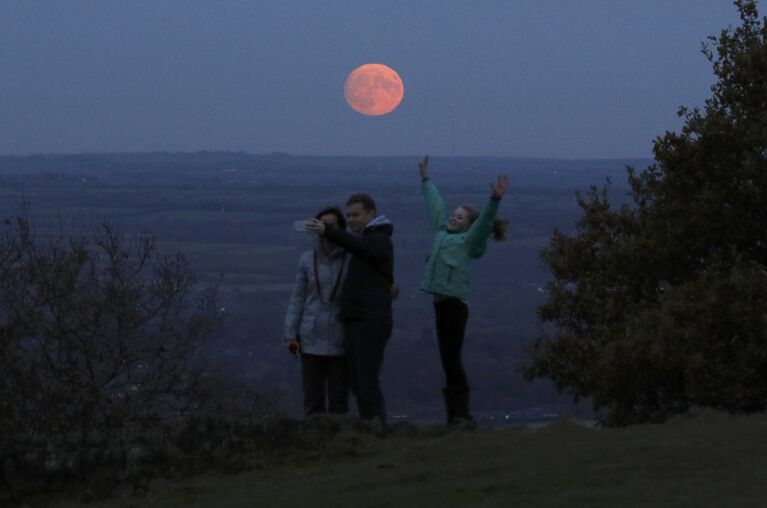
(458, 239)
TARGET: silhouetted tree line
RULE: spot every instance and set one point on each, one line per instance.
(662, 305)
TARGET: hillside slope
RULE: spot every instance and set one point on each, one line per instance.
(708, 460)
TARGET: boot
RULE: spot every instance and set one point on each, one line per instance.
(457, 405)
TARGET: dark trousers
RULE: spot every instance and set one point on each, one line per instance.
(451, 317)
(324, 376)
(365, 344)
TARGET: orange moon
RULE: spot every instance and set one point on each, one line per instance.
(373, 89)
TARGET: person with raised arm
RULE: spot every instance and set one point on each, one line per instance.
(458, 239)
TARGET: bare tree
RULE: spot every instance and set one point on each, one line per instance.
(96, 333)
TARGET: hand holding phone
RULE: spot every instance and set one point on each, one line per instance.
(300, 225)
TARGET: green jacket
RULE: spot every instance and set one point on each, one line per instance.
(447, 268)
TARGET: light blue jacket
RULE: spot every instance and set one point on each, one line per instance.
(311, 314)
(447, 268)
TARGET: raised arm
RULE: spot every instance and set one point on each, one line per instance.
(434, 203)
(480, 230)
(374, 247)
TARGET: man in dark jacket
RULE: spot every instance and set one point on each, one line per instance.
(365, 298)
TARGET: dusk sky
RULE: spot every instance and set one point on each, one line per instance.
(537, 78)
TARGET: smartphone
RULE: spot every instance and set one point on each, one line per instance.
(300, 225)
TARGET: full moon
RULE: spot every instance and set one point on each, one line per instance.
(373, 89)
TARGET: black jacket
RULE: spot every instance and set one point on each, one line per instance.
(366, 291)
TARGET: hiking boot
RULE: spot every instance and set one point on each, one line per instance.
(460, 423)
(457, 405)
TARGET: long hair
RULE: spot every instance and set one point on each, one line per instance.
(500, 225)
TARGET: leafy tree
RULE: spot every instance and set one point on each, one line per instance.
(661, 305)
(96, 334)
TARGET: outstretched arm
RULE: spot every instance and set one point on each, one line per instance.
(423, 168)
(369, 247)
(434, 203)
(480, 231)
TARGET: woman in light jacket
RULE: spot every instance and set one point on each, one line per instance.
(458, 239)
(312, 326)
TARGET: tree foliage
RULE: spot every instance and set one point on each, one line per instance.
(95, 334)
(660, 305)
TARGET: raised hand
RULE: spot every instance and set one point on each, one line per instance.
(500, 186)
(423, 167)
(316, 226)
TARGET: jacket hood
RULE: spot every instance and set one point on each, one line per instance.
(381, 223)
(378, 221)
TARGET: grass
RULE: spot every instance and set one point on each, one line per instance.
(704, 461)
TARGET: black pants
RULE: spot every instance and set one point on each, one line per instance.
(451, 317)
(365, 344)
(324, 376)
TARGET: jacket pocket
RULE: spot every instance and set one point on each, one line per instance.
(452, 259)
(445, 270)
(306, 328)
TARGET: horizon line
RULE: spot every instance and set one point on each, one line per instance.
(286, 154)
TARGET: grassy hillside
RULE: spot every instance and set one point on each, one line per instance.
(710, 460)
